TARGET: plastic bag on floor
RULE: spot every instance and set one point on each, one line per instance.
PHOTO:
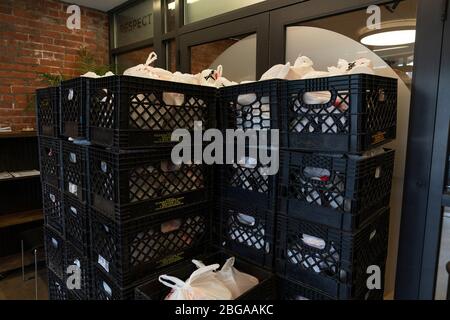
(201, 285)
(236, 281)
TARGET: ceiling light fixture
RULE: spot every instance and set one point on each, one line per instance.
(171, 5)
(191, 1)
(390, 38)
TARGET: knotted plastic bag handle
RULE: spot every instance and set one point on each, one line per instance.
(228, 264)
(199, 264)
(174, 282)
(152, 57)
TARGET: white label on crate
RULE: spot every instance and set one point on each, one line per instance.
(103, 262)
(70, 95)
(372, 235)
(377, 172)
(72, 157)
(104, 166)
(74, 210)
(73, 188)
(107, 288)
(55, 242)
(52, 197)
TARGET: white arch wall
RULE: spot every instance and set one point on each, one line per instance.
(239, 60)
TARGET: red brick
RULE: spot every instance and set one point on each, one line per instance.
(5, 10)
(13, 74)
(54, 48)
(27, 60)
(22, 89)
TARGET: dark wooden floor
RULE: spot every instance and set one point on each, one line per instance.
(14, 288)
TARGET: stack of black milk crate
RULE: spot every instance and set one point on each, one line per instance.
(143, 215)
(64, 191)
(334, 186)
(124, 212)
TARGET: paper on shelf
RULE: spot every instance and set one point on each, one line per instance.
(27, 173)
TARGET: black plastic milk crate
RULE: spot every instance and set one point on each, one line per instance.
(331, 260)
(265, 290)
(336, 190)
(47, 108)
(79, 260)
(131, 112)
(55, 251)
(57, 288)
(74, 108)
(253, 105)
(127, 252)
(50, 160)
(76, 223)
(52, 202)
(74, 170)
(129, 184)
(104, 288)
(247, 230)
(294, 290)
(248, 180)
(361, 113)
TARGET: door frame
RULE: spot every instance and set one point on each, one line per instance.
(427, 158)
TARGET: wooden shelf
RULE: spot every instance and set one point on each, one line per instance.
(14, 262)
(19, 178)
(14, 219)
(18, 134)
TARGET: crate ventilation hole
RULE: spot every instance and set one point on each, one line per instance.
(305, 253)
(252, 112)
(317, 186)
(154, 243)
(245, 230)
(326, 117)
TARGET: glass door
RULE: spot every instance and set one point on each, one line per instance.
(327, 31)
(221, 45)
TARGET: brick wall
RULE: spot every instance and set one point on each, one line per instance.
(33, 39)
(202, 56)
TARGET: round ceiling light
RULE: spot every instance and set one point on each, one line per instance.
(390, 38)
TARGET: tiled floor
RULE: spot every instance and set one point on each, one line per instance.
(14, 288)
(444, 257)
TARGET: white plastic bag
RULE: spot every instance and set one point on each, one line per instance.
(147, 71)
(201, 285)
(278, 71)
(236, 281)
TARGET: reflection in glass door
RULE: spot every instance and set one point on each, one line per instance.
(224, 52)
(240, 46)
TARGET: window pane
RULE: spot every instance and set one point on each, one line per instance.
(134, 24)
(196, 10)
(224, 52)
(169, 9)
(131, 59)
(343, 34)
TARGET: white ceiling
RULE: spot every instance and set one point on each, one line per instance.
(102, 5)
